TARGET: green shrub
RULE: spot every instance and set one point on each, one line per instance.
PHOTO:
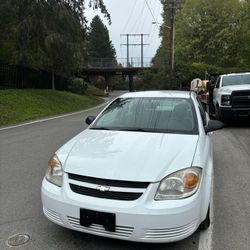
(78, 86)
(118, 83)
(156, 80)
(94, 91)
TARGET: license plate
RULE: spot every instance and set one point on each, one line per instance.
(89, 217)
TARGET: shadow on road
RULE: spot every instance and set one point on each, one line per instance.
(237, 124)
(78, 240)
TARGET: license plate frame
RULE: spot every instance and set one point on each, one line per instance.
(89, 217)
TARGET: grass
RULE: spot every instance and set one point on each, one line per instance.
(27, 104)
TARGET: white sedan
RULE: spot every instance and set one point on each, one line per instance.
(141, 171)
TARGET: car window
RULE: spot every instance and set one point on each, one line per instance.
(203, 113)
(173, 115)
(236, 80)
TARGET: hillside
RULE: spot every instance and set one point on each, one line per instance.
(22, 105)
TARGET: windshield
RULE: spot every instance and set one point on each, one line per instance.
(236, 80)
(166, 115)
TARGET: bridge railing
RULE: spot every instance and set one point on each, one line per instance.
(134, 62)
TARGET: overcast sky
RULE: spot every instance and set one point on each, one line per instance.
(132, 16)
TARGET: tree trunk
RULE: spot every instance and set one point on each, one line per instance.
(53, 80)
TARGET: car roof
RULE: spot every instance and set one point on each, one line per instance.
(236, 74)
(161, 93)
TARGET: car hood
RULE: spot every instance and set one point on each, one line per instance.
(131, 156)
(229, 89)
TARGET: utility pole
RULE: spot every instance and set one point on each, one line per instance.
(142, 50)
(127, 50)
(172, 5)
(171, 46)
(142, 44)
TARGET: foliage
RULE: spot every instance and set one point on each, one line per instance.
(211, 36)
(22, 105)
(45, 34)
(99, 45)
(163, 52)
(7, 30)
(118, 83)
(156, 80)
(78, 86)
(209, 32)
(94, 91)
(179, 79)
(245, 31)
(99, 4)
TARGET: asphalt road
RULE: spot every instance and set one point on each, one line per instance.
(24, 153)
(232, 188)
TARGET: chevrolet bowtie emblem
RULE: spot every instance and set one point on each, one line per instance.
(103, 188)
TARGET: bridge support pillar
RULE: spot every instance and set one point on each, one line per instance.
(131, 82)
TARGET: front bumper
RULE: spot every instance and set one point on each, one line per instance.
(142, 220)
(230, 113)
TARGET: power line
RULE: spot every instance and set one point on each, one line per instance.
(152, 14)
(130, 15)
(157, 10)
(137, 22)
(142, 23)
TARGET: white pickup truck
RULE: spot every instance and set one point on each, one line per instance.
(231, 96)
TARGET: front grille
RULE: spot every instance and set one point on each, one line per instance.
(117, 190)
(125, 196)
(105, 182)
(241, 99)
(120, 231)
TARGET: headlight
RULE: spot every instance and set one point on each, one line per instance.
(179, 185)
(225, 100)
(54, 172)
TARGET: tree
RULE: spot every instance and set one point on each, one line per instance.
(7, 31)
(245, 31)
(99, 45)
(209, 32)
(45, 34)
(163, 53)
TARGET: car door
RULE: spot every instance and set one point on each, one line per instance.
(216, 91)
(204, 146)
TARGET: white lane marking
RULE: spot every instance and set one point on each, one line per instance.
(53, 118)
(206, 236)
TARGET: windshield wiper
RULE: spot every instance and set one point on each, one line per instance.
(125, 129)
(101, 128)
(137, 129)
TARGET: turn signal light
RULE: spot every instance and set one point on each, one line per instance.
(52, 163)
(190, 181)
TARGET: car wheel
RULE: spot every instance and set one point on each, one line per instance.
(206, 223)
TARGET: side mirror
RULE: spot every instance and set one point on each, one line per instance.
(213, 125)
(90, 119)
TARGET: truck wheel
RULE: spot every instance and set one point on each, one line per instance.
(218, 114)
(211, 110)
(206, 223)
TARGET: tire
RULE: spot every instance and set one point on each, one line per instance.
(206, 223)
(218, 114)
